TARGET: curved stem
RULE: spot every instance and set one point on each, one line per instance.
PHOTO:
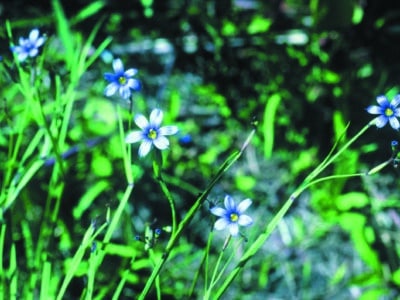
(309, 181)
(190, 214)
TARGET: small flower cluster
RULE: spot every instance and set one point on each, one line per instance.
(151, 134)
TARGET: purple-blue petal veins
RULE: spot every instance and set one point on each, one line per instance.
(387, 111)
(151, 134)
(121, 80)
(232, 216)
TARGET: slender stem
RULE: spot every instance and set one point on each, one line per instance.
(167, 193)
(190, 214)
(214, 275)
(327, 162)
(204, 261)
(309, 181)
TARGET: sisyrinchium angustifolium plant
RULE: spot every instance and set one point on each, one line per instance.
(110, 192)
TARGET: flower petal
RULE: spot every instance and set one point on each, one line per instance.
(134, 137)
(218, 211)
(22, 56)
(381, 121)
(394, 123)
(168, 130)
(125, 92)
(161, 142)
(145, 148)
(110, 77)
(245, 220)
(229, 203)
(40, 41)
(375, 110)
(118, 66)
(233, 229)
(33, 52)
(33, 35)
(221, 224)
(133, 84)
(156, 117)
(395, 101)
(131, 72)
(141, 121)
(111, 89)
(382, 100)
(244, 205)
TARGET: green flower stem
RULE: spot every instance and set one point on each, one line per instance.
(125, 149)
(204, 261)
(167, 193)
(217, 274)
(157, 282)
(309, 181)
(117, 216)
(214, 280)
(190, 214)
(331, 157)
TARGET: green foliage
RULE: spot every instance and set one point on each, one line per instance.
(264, 96)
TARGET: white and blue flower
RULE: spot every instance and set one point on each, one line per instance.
(232, 216)
(387, 111)
(121, 80)
(151, 132)
(29, 47)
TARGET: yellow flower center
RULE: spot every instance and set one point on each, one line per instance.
(122, 80)
(389, 112)
(234, 217)
(152, 134)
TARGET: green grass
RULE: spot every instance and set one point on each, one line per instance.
(80, 211)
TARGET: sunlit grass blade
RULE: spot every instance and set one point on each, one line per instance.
(29, 254)
(45, 286)
(87, 12)
(64, 32)
(91, 273)
(15, 189)
(3, 283)
(97, 52)
(88, 238)
(87, 199)
(269, 123)
(13, 273)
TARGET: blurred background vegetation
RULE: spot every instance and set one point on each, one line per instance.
(302, 70)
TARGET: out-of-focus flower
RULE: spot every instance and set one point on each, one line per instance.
(29, 47)
(121, 80)
(387, 111)
(186, 140)
(232, 215)
(151, 132)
